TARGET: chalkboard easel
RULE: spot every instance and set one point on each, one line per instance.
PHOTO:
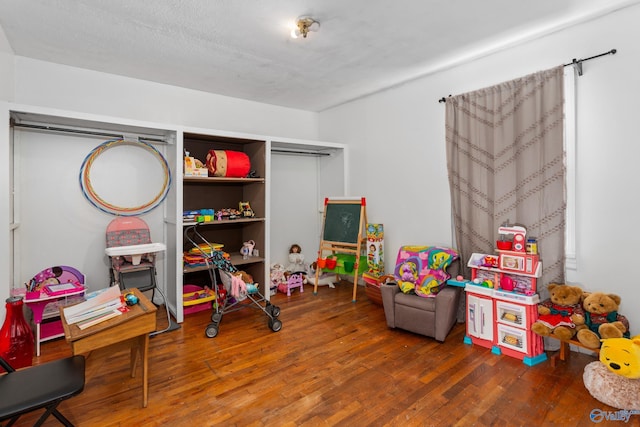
(343, 223)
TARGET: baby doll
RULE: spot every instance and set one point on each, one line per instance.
(296, 259)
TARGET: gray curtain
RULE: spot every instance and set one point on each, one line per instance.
(505, 160)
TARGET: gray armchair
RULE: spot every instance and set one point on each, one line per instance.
(433, 317)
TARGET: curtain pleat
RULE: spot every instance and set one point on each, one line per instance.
(505, 160)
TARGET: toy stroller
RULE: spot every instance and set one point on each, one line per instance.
(239, 293)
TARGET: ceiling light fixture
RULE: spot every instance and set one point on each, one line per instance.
(303, 25)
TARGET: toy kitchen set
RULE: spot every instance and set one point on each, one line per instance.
(502, 298)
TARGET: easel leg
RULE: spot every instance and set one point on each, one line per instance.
(315, 284)
(355, 282)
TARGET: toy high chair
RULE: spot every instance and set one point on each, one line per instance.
(133, 257)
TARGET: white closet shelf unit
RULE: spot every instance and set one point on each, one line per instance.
(68, 226)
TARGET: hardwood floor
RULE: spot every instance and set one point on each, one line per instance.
(333, 363)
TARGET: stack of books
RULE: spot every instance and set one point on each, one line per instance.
(99, 306)
(190, 260)
(206, 249)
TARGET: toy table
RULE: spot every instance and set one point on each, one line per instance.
(37, 302)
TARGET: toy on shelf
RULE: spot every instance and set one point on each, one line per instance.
(199, 215)
(227, 213)
(245, 210)
(247, 249)
(196, 298)
(228, 163)
(194, 167)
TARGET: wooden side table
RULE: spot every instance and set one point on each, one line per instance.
(131, 328)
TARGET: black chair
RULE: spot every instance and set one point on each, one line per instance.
(40, 387)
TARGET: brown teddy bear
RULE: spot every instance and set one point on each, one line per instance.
(601, 319)
(559, 315)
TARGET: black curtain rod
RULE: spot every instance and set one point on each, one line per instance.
(576, 62)
(299, 152)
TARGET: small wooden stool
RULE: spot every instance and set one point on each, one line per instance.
(564, 352)
(295, 281)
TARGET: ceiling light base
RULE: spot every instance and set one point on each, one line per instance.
(304, 24)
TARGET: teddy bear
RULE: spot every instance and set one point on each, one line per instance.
(601, 319)
(560, 313)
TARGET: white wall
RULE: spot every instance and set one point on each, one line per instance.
(6, 68)
(45, 84)
(299, 185)
(6, 93)
(67, 89)
(57, 225)
(295, 203)
(397, 145)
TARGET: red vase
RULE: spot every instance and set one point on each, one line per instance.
(16, 336)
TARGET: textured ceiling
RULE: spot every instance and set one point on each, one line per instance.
(243, 48)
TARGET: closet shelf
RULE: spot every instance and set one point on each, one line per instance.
(220, 180)
(224, 222)
(236, 259)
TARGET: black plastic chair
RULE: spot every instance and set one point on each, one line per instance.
(40, 387)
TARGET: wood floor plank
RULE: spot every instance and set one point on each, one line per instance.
(334, 363)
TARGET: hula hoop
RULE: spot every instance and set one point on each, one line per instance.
(90, 194)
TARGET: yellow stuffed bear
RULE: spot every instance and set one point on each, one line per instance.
(622, 356)
(601, 319)
(558, 315)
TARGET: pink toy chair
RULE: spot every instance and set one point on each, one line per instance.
(295, 281)
(133, 258)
